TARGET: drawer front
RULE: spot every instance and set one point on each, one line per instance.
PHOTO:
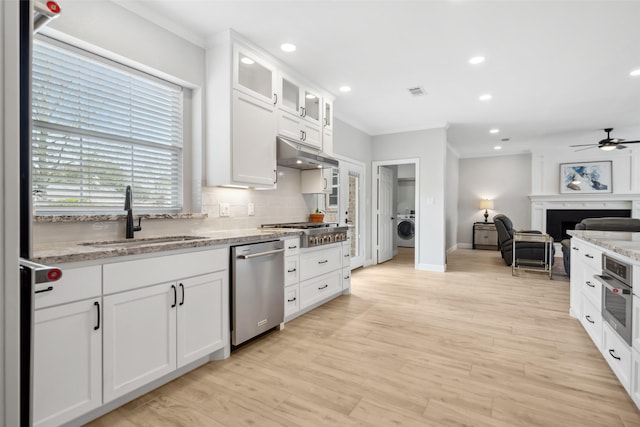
(323, 287)
(291, 246)
(591, 320)
(291, 270)
(291, 300)
(486, 237)
(127, 275)
(591, 287)
(346, 278)
(76, 284)
(320, 261)
(589, 255)
(618, 355)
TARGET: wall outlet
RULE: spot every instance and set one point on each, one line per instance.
(225, 210)
(251, 209)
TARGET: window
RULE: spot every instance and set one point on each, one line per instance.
(333, 196)
(99, 126)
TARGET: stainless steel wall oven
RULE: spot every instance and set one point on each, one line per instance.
(617, 295)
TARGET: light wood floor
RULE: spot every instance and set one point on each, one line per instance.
(473, 346)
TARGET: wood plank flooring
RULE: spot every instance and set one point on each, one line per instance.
(470, 347)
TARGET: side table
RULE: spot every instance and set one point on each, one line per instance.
(544, 265)
(485, 236)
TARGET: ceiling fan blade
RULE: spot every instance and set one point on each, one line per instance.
(583, 145)
(582, 149)
(621, 147)
(631, 142)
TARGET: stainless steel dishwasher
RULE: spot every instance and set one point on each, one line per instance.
(257, 289)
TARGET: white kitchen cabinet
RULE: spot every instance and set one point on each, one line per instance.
(300, 130)
(300, 100)
(241, 114)
(327, 125)
(591, 319)
(139, 338)
(319, 288)
(316, 181)
(321, 260)
(291, 270)
(201, 320)
(152, 331)
(618, 355)
(635, 376)
(586, 261)
(346, 280)
(67, 365)
(291, 301)
(635, 319)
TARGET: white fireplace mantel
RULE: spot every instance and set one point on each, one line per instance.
(540, 203)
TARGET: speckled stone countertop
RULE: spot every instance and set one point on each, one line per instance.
(94, 218)
(621, 242)
(60, 253)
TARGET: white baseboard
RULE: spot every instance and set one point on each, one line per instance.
(431, 267)
(465, 246)
(452, 248)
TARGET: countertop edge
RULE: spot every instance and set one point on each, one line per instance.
(623, 243)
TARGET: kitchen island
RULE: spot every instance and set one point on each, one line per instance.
(603, 263)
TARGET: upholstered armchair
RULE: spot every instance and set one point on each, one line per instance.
(602, 224)
(524, 250)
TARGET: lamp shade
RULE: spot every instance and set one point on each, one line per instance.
(486, 204)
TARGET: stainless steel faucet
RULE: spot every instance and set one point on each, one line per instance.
(127, 207)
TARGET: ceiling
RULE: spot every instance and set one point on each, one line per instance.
(553, 68)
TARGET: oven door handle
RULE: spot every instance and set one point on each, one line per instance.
(276, 251)
(613, 285)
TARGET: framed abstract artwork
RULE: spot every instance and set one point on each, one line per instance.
(585, 177)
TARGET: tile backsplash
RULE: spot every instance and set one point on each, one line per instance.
(284, 204)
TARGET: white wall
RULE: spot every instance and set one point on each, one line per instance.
(452, 195)
(356, 145)
(504, 179)
(429, 146)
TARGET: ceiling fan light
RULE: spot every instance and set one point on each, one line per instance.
(608, 147)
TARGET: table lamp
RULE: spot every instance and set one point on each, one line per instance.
(486, 204)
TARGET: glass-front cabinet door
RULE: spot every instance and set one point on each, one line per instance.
(327, 118)
(291, 95)
(253, 75)
(312, 105)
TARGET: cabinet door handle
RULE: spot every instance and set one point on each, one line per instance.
(49, 289)
(275, 173)
(175, 296)
(323, 262)
(589, 256)
(346, 277)
(301, 135)
(291, 247)
(588, 283)
(589, 319)
(575, 249)
(292, 270)
(325, 183)
(612, 353)
(275, 98)
(182, 289)
(304, 135)
(97, 305)
(292, 299)
(323, 287)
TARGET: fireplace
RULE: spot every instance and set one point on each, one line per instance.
(561, 220)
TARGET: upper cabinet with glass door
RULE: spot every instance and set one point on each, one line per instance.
(327, 125)
(299, 100)
(253, 75)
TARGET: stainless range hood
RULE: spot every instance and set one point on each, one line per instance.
(292, 154)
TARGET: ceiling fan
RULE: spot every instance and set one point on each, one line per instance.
(607, 144)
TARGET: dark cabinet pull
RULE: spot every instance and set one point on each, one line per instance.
(323, 262)
(275, 98)
(346, 256)
(175, 296)
(292, 299)
(611, 352)
(49, 289)
(182, 289)
(292, 270)
(589, 256)
(590, 285)
(574, 248)
(275, 171)
(346, 277)
(301, 135)
(291, 247)
(589, 319)
(323, 287)
(97, 304)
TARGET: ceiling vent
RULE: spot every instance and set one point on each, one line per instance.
(416, 91)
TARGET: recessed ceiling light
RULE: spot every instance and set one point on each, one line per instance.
(299, 162)
(248, 61)
(345, 89)
(635, 73)
(319, 166)
(310, 96)
(497, 147)
(494, 130)
(476, 60)
(485, 97)
(288, 47)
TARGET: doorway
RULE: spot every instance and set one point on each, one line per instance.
(350, 181)
(395, 196)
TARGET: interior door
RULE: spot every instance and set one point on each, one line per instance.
(351, 213)
(385, 214)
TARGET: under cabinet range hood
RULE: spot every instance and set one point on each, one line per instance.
(292, 154)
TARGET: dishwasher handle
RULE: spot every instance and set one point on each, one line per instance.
(275, 251)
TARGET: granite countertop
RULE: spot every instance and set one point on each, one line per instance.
(60, 253)
(621, 242)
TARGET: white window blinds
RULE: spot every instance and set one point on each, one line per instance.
(98, 127)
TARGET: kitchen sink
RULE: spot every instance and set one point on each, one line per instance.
(142, 242)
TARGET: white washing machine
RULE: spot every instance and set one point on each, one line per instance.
(406, 230)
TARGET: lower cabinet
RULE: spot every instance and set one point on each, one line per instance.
(618, 355)
(67, 377)
(346, 279)
(591, 320)
(152, 331)
(291, 300)
(319, 288)
(635, 376)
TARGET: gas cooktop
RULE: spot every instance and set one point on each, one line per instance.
(315, 233)
(300, 225)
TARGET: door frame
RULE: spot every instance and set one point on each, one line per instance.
(361, 203)
(10, 214)
(375, 188)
